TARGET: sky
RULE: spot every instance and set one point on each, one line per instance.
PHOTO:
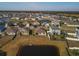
(40, 6)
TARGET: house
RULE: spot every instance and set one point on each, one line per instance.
(24, 31)
(1, 16)
(5, 19)
(77, 32)
(40, 31)
(2, 29)
(54, 29)
(45, 24)
(55, 22)
(25, 24)
(78, 19)
(15, 18)
(25, 18)
(12, 23)
(33, 19)
(35, 24)
(44, 21)
(10, 31)
(6, 25)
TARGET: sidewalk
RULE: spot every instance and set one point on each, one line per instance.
(72, 25)
(73, 47)
(74, 39)
(73, 34)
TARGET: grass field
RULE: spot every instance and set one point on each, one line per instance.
(76, 15)
(73, 43)
(68, 28)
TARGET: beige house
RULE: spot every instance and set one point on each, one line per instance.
(10, 31)
(24, 31)
(40, 31)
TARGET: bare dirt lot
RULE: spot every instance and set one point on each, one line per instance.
(13, 47)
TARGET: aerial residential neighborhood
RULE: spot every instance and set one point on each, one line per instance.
(55, 27)
(39, 33)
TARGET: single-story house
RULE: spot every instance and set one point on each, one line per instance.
(77, 32)
(40, 31)
(10, 31)
(24, 31)
(2, 28)
(54, 30)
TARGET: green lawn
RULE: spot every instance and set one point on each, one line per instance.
(74, 52)
(67, 28)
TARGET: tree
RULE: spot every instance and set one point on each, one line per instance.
(61, 23)
(30, 32)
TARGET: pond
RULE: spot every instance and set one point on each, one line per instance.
(2, 53)
(38, 50)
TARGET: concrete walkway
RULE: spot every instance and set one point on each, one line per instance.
(73, 34)
(72, 25)
(73, 47)
(74, 39)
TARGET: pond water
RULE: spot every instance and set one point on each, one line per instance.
(2, 53)
(38, 50)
